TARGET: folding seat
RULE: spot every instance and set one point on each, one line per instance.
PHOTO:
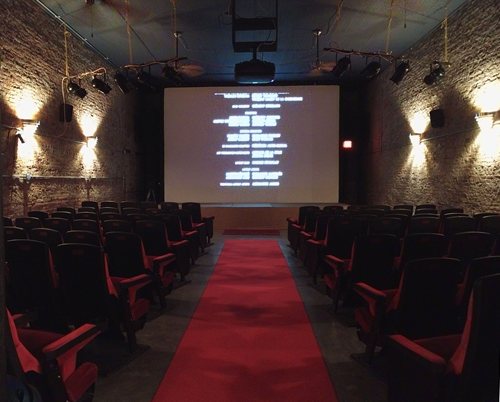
(83, 236)
(379, 207)
(456, 224)
(13, 232)
(71, 210)
(333, 209)
(88, 209)
(105, 216)
(62, 225)
(130, 210)
(446, 211)
(468, 245)
(377, 212)
(116, 225)
(63, 214)
(490, 224)
(39, 214)
(86, 215)
(195, 209)
(463, 367)
(91, 204)
(307, 232)
(188, 225)
(32, 281)
(426, 211)
(50, 362)
(407, 207)
(90, 295)
(169, 206)
(422, 245)
(112, 210)
(28, 223)
(425, 206)
(423, 224)
(424, 304)
(371, 261)
(7, 221)
(175, 233)
(127, 258)
(110, 204)
(390, 225)
(50, 237)
(295, 225)
(156, 243)
(148, 205)
(86, 224)
(316, 244)
(136, 216)
(129, 204)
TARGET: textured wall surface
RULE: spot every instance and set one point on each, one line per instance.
(458, 164)
(62, 168)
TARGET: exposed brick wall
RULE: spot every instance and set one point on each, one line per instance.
(32, 51)
(454, 166)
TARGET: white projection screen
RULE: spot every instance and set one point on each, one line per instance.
(240, 145)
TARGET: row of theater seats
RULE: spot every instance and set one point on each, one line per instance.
(87, 276)
(411, 293)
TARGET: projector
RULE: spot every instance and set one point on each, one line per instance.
(254, 72)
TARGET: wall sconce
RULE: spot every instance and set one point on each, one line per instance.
(415, 138)
(91, 142)
(26, 129)
(486, 120)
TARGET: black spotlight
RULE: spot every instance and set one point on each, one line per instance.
(122, 82)
(100, 85)
(400, 72)
(75, 89)
(371, 70)
(146, 80)
(342, 66)
(436, 73)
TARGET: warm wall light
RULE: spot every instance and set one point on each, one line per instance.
(28, 128)
(415, 138)
(419, 122)
(91, 142)
(347, 144)
(485, 120)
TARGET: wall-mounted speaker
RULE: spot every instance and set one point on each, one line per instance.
(65, 112)
(437, 118)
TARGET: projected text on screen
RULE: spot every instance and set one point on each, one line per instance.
(253, 140)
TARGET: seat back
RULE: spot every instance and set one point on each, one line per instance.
(125, 254)
(13, 232)
(71, 210)
(86, 215)
(476, 269)
(422, 245)
(110, 204)
(341, 232)
(427, 295)
(468, 245)
(423, 224)
(373, 260)
(82, 236)
(63, 214)
(83, 282)
(490, 224)
(62, 225)
(106, 216)
(457, 224)
(154, 236)
(28, 222)
(50, 237)
(116, 225)
(322, 224)
(480, 346)
(303, 211)
(86, 224)
(168, 206)
(38, 214)
(173, 225)
(31, 281)
(387, 224)
(91, 204)
(194, 209)
(7, 221)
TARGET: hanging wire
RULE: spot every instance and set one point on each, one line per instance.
(389, 23)
(129, 32)
(337, 15)
(445, 27)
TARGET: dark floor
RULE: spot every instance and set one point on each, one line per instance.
(135, 378)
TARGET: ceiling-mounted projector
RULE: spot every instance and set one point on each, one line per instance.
(254, 72)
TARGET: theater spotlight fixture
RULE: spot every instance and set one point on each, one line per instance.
(122, 82)
(75, 89)
(436, 73)
(100, 85)
(342, 66)
(371, 70)
(20, 138)
(400, 72)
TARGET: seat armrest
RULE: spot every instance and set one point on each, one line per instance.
(418, 353)
(72, 342)
(368, 292)
(135, 281)
(162, 262)
(335, 263)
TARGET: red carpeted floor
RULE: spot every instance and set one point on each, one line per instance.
(250, 338)
(252, 232)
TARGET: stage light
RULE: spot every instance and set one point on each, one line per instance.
(146, 80)
(122, 82)
(400, 72)
(100, 85)
(342, 66)
(436, 73)
(371, 70)
(75, 89)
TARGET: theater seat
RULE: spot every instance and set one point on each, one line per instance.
(462, 367)
(49, 361)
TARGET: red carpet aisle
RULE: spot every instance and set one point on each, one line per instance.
(250, 338)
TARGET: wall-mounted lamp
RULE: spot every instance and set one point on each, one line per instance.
(91, 142)
(415, 138)
(26, 129)
(486, 120)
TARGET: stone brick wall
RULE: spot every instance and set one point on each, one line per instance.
(458, 164)
(62, 168)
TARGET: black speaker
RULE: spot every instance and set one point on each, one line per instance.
(65, 112)
(437, 118)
